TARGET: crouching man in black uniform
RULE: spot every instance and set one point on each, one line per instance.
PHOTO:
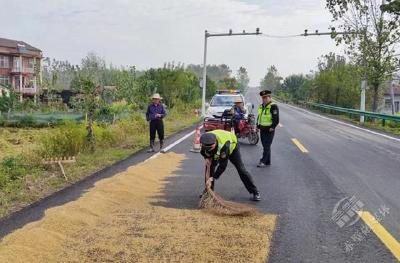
(219, 146)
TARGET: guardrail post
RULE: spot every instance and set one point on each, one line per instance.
(383, 122)
(362, 102)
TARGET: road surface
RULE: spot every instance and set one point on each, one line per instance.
(304, 188)
(308, 185)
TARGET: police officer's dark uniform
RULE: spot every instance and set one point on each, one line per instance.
(267, 120)
(226, 148)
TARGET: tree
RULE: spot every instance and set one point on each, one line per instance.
(9, 99)
(175, 85)
(214, 72)
(336, 82)
(393, 6)
(227, 83)
(293, 85)
(271, 80)
(374, 46)
(242, 79)
(90, 101)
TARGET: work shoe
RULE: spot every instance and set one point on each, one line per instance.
(161, 145)
(151, 150)
(261, 165)
(256, 196)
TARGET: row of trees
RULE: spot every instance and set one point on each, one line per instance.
(335, 82)
(222, 77)
(175, 81)
(370, 49)
(178, 84)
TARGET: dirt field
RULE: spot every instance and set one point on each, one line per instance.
(116, 222)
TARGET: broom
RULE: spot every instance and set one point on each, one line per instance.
(214, 203)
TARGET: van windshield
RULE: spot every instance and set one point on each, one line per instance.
(224, 101)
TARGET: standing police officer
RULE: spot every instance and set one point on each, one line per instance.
(267, 120)
(219, 146)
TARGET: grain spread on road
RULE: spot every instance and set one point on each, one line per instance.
(118, 221)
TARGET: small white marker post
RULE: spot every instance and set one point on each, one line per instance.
(362, 102)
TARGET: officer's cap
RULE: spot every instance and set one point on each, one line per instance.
(208, 139)
(265, 93)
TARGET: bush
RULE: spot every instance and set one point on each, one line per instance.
(65, 140)
(25, 121)
(104, 135)
(393, 124)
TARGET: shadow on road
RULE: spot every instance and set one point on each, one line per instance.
(183, 190)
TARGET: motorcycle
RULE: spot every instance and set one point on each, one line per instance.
(246, 128)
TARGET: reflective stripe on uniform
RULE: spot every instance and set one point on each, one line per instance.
(264, 115)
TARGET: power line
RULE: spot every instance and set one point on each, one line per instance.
(279, 36)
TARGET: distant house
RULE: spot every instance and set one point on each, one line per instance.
(395, 86)
(20, 67)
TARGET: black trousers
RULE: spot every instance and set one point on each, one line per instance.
(236, 159)
(266, 140)
(156, 126)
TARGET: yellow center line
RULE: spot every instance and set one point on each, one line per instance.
(299, 145)
(387, 239)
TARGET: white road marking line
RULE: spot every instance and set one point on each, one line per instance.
(347, 124)
(169, 147)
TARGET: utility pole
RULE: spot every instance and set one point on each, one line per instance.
(206, 36)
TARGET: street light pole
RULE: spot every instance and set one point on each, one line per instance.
(204, 81)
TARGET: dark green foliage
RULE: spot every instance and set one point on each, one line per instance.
(271, 80)
(375, 38)
(26, 121)
(392, 6)
(336, 83)
(173, 84)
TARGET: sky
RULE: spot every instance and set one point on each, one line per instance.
(147, 33)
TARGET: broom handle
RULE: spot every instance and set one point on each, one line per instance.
(207, 173)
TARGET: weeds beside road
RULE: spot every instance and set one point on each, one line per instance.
(23, 177)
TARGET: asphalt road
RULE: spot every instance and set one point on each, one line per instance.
(302, 188)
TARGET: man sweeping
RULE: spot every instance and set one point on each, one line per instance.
(219, 146)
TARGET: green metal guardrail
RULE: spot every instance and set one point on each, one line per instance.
(367, 114)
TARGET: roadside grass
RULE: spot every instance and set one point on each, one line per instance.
(29, 145)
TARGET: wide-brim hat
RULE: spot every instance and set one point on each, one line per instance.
(156, 96)
(265, 93)
(238, 100)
